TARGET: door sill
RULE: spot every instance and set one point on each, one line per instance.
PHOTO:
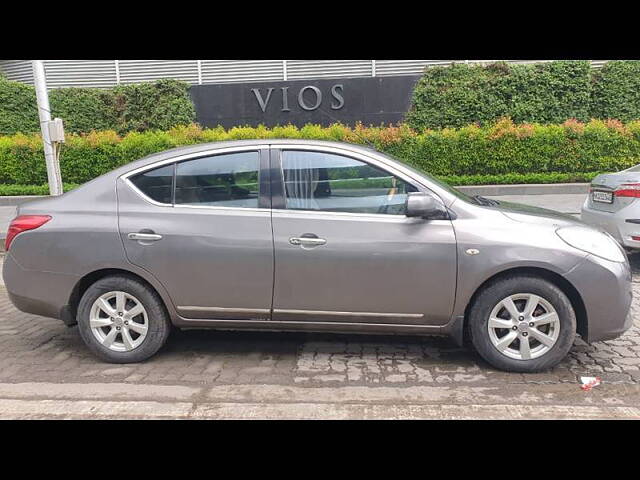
(311, 326)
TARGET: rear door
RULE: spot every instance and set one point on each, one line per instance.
(344, 249)
(202, 226)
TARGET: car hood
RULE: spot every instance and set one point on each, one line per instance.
(530, 214)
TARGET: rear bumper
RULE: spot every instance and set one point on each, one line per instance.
(615, 223)
(605, 288)
(39, 293)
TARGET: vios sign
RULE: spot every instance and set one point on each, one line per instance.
(369, 100)
(336, 91)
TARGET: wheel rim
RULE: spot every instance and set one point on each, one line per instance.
(523, 326)
(118, 321)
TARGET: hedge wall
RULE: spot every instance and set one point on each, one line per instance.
(158, 105)
(502, 149)
(616, 91)
(551, 92)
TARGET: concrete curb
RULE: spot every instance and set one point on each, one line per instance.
(492, 190)
(251, 401)
(15, 200)
(527, 189)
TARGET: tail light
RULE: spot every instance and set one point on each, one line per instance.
(22, 224)
(628, 190)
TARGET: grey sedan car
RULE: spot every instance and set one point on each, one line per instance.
(292, 235)
(613, 205)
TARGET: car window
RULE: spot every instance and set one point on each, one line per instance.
(335, 183)
(633, 169)
(226, 180)
(157, 184)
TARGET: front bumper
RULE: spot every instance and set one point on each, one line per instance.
(615, 223)
(605, 288)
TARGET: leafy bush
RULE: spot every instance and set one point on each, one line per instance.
(502, 149)
(18, 110)
(616, 91)
(519, 178)
(14, 190)
(158, 105)
(461, 94)
(84, 109)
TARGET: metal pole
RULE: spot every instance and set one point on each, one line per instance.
(44, 112)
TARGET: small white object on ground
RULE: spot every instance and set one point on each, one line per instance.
(589, 382)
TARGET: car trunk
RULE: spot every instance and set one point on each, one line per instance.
(604, 186)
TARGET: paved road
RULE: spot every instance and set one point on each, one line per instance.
(46, 372)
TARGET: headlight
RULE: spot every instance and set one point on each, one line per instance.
(592, 241)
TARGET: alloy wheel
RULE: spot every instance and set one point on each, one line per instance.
(523, 326)
(118, 321)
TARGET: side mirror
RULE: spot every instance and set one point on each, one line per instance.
(424, 205)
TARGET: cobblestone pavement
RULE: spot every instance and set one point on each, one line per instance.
(41, 349)
(36, 349)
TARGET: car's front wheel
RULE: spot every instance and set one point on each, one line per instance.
(122, 320)
(522, 323)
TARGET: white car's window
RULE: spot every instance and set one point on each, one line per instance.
(335, 183)
(156, 184)
(634, 169)
(227, 180)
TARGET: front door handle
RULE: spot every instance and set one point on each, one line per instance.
(307, 241)
(144, 237)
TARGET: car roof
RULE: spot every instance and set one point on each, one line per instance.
(185, 150)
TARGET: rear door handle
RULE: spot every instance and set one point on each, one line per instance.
(307, 241)
(144, 237)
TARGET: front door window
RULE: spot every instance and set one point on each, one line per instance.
(335, 183)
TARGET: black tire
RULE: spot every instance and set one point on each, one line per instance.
(502, 288)
(159, 323)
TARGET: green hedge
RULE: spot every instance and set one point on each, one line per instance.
(159, 105)
(18, 110)
(13, 190)
(551, 92)
(616, 91)
(500, 149)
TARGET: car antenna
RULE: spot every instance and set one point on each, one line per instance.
(365, 140)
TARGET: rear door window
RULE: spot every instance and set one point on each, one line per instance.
(157, 184)
(226, 180)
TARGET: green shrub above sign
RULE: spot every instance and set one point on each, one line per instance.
(551, 92)
(159, 105)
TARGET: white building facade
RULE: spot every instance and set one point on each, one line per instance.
(107, 73)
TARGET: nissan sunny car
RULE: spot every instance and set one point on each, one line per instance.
(291, 235)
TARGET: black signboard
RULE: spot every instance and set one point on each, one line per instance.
(370, 100)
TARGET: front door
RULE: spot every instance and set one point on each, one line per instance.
(346, 252)
(202, 227)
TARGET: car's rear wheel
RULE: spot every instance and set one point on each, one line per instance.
(122, 320)
(522, 323)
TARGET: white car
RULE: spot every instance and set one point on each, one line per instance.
(613, 205)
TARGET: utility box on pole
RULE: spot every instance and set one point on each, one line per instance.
(56, 131)
(44, 113)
